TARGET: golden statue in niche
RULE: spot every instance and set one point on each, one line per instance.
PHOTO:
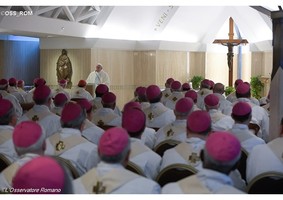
(64, 68)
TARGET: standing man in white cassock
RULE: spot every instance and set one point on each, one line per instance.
(99, 76)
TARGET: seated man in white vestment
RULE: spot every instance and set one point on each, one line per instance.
(29, 143)
(198, 126)
(6, 95)
(8, 120)
(259, 114)
(242, 114)
(42, 175)
(81, 92)
(110, 175)
(176, 130)
(41, 113)
(219, 90)
(69, 144)
(13, 89)
(176, 88)
(133, 120)
(167, 91)
(220, 156)
(59, 102)
(100, 90)
(106, 115)
(157, 115)
(90, 131)
(219, 121)
(266, 157)
(194, 96)
(61, 88)
(149, 134)
(205, 89)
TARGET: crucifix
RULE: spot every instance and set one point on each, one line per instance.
(230, 43)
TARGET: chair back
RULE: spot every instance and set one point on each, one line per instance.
(67, 164)
(266, 183)
(165, 145)
(134, 168)
(242, 165)
(254, 128)
(4, 162)
(105, 127)
(155, 128)
(175, 172)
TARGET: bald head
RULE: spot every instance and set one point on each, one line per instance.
(218, 88)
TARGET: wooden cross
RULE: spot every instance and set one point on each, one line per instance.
(35, 118)
(170, 133)
(230, 43)
(99, 188)
(194, 158)
(150, 116)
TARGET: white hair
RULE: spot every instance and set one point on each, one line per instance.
(221, 163)
(99, 64)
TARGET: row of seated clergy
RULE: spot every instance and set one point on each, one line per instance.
(69, 143)
(183, 105)
(5, 95)
(188, 152)
(262, 132)
(111, 177)
(57, 117)
(242, 93)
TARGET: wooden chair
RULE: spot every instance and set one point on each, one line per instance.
(175, 172)
(165, 145)
(67, 164)
(155, 128)
(243, 163)
(105, 127)
(254, 127)
(27, 106)
(266, 183)
(4, 162)
(134, 168)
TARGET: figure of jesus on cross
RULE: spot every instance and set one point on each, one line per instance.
(230, 43)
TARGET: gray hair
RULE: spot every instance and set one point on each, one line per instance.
(119, 158)
(76, 123)
(99, 64)
(220, 164)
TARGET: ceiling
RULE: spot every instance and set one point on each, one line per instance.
(189, 25)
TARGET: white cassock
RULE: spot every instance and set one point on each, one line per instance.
(145, 158)
(265, 158)
(246, 137)
(78, 150)
(6, 143)
(114, 179)
(98, 78)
